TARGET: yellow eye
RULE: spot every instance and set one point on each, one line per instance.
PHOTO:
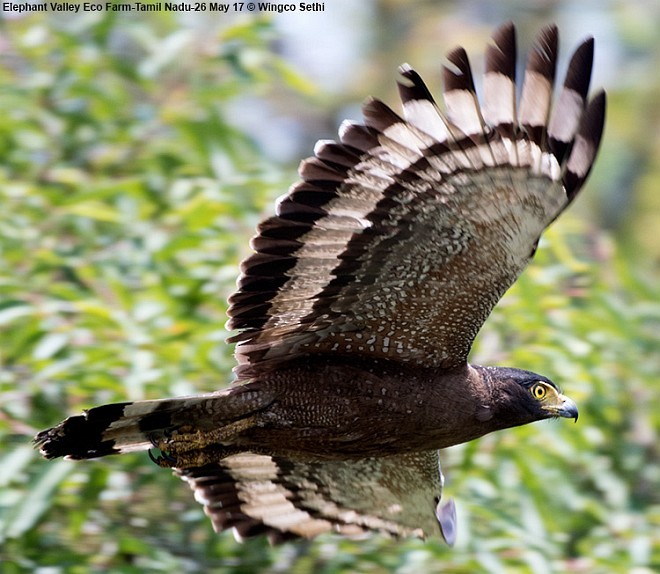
(539, 391)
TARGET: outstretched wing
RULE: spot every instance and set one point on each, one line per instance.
(257, 494)
(401, 237)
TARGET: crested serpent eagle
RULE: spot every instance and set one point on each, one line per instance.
(356, 312)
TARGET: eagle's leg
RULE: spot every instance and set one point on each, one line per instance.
(187, 439)
(194, 458)
(164, 460)
(216, 423)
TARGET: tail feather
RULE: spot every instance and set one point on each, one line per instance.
(117, 428)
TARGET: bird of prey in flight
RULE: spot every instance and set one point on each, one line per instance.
(356, 312)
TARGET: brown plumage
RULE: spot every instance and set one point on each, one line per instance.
(357, 311)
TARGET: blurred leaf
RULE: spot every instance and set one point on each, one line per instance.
(35, 502)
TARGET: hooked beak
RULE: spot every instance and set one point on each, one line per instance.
(566, 408)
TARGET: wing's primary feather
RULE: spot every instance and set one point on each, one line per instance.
(536, 97)
(499, 108)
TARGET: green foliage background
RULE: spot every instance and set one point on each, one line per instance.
(127, 196)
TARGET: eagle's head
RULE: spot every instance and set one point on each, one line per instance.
(519, 397)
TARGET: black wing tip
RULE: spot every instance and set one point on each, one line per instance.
(592, 124)
(594, 116)
(505, 30)
(501, 53)
(543, 56)
(594, 120)
(457, 75)
(413, 88)
(578, 75)
(548, 36)
(378, 115)
(358, 136)
(590, 133)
